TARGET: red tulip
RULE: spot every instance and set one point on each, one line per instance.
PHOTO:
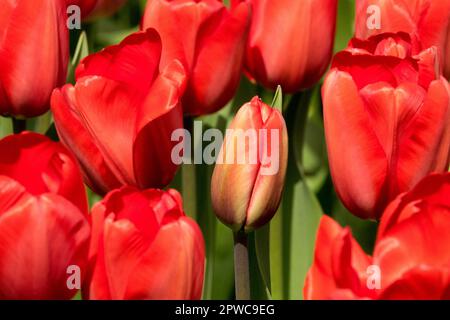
(290, 42)
(387, 121)
(119, 117)
(210, 41)
(427, 20)
(144, 247)
(34, 53)
(42, 166)
(412, 251)
(246, 193)
(43, 219)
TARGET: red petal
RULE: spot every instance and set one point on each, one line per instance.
(339, 263)
(420, 283)
(158, 117)
(273, 58)
(33, 56)
(423, 238)
(40, 237)
(76, 137)
(173, 267)
(237, 167)
(124, 62)
(53, 170)
(221, 44)
(433, 189)
(348, 127)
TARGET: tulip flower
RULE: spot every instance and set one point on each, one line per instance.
(44, 229)
(426, 20)
(42, 166)
(291, 42)
(411, 256)
(144, 247)
(248, 179)
(209, 40)
(119, 117)
(34, 55)
(387, 121)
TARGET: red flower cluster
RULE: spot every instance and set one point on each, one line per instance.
(411, 259)
(386, 107)
(45, 231)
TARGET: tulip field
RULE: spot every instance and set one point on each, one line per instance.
(224, 150)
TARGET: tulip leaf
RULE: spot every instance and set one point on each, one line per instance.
(292, 232)
(81, 51)
(5, 127)
(345, 24)
(258, 287)
(278, 99)
(262, 248)
(312, 157)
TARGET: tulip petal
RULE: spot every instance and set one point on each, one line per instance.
(271, 174)
(40, 237)
(54, 170)
(434, 189)
(237, 165)
(173, 267)
(123, 63)
(178, 23)
(420, 283)
(159, 116)
(216, 72)
(420, 239)
(339, 263)
(424, 145)
(274, 58)
(44, 36)
(111, 131)
(76, 137)
(356, 146)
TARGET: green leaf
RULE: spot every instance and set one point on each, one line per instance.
(344, 24)
(262, 248)
(5, 127)
(258, 287)
(278, 99)
(293, 229)
(313, 155)
(81, 51)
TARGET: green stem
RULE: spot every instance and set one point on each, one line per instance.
(19, 125)
(241, 266)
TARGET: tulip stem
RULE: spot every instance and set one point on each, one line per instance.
(19, 125)
(241, 266)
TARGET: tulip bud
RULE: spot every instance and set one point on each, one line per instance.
(290, 42)
(44, 228)
(209, 40)
(144, 247)
(387, 121)
(248, 179)
(34, 54)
